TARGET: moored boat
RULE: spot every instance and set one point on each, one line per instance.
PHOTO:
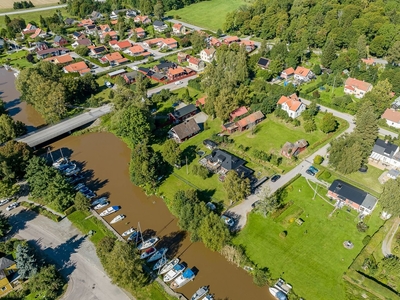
(200, 293)
(148, 253)
(158, 255)
(117, 219)
(208, 297)
(135, 236)
(181, 280)
(61, 161)
(101, 205)
(100, 200)
(160, 263)
(278, 294)
(128, 232)
(168, 266)
(148, 243)
(174, 272)
(109, 211)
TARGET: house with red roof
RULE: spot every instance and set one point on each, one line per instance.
(214, 42)
(114, 59)
(392, 117)
(79, 67)
(178, 29)
(238, 113)
(61, 59)
(249, 45)
(29, 29)
(122, 45)
(292, 105)
(303, 74)
(169, 43)
(152, 42)
(38, 32)
(86, 22)
(208, 54)
(137, 50)
(368, 61)
(231, 39)
(142, 19)
(113, 35)
(140, 32)
(288, 73)
(196, 64)
(201, 101)
(250, 121)
(356, 87)
(178, 73)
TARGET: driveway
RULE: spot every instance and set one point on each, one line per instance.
(387, 242)
(72, 253)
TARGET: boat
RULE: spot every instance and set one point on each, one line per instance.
(79, 186)
(101, 205)
(174, 272)
(278, 294)
(148, 252)
(180, 281)
(117, 219)
(160, 263)
(59, 162)
(156, 256)
(128, 232)
(168, 266)
(208, 297)
(109, 211)
(200, 293)
(72, 171)
(148, 243)
(100, 200)
(134, 236)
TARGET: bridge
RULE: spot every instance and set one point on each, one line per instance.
(47, 133)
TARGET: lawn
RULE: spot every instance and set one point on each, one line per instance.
(311, 257)
(207, 14)
(17, 59)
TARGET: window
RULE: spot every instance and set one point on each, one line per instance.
(3, 288)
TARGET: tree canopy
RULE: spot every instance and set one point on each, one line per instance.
(236, 187)
(390, 197)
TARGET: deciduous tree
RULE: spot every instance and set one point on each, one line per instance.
(47, 283)
(213, 232)
(171, 152)
(390, 197)
(328, 123)
(4, 225)
(236, 187)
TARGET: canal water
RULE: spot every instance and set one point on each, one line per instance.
(105, 160)
(19, 111)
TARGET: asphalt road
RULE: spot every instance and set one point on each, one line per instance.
(23, 11)
(73, 254)
(171, 86)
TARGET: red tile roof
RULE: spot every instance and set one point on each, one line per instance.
(201, 101)
(292, 102)
(124, 44)
(357, 84)
(368, 61)
(302, 71)
(176, 71)
(169, 41)
(391, 115)
(177, 26)
(136, 49)
(77, 67)
(238, 112)
(288, 71)
(231, 39)
(258, 115)
(194, 60)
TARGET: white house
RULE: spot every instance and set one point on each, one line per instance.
(208, 54)
(356, 87)
(303, 74)
(386, 153)
(196, 64)
(292, 105)
(159, 26)
(178, 29)
(392, 117)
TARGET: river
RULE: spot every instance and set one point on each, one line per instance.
(105, 161)
(19, 111)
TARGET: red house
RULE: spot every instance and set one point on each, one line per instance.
(60, 41)
(238, 113)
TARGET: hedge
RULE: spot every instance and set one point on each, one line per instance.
(41, 211)
(69, 210)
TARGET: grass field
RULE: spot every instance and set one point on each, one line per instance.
(6, 4)
(207, 14)
(311, 257)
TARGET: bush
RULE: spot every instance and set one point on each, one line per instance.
(261, 276)
(325, 175)
(318, 159)
(283, 234)
(362, 227)
(316, 94)
(366, 240)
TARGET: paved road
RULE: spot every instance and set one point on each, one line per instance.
(187, 25)
(171, 86)
(73, 254)
(17, 12)
(387, 242)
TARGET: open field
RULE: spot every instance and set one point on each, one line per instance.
(6, 4)
(207, 14)
(311, 257)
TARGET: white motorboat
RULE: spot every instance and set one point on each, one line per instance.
(181, 280)
(200, 293)
(101, 205)
(128, 232)
(135, 236)
(160, 263)
(117, 219)
(174, 272)
(208, 297)
(278, 294)
(98, 201)
(148, 253)
(59, 162)
(156, 256)
(109, 211)
(148, 243)
(168, 266)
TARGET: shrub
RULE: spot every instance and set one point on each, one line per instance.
(261, 276)
(283, 234)
(318, 159)
(362, 227)
(325, 175)
(366, 240)
(316, 94)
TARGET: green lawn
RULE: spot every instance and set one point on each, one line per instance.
(207, 14)
(312, 257)
(16, 59)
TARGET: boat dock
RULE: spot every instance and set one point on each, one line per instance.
(109, 227)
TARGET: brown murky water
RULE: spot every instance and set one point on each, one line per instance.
(19, 111)
(105, 159)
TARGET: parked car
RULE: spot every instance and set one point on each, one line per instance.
(309, 172)
(313, 169)
(108, 84)
(5, 200)
(275, 177)
(178, 82)
(12, 206)
(228, 220)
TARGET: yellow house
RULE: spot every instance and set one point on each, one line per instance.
(8, 275)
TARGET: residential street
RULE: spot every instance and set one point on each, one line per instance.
(73, 254)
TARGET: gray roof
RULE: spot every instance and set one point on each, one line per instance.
(5, 263)
(228, 161)
(188, 109)
(132, 75)
(165, 65)
(1, 43)
(158, 23)
(369, 202)
(394, 173)
(58, 38)
(186, 129)
(347, 191)
(384, 148)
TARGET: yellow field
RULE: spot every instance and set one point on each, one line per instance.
(4, 4)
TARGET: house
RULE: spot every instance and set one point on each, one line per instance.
(238, 113)
(288, 150)
(368, 61)
(113, 35)
(51, 52)
(164, 66)
(60, 41)
(169, 43)
(178, 29)
(142, 19)
(159, 77)
(393, 174)
(38, 33)
(122, 45)
(152, 42)
(98, 51)
(178, 73)
(250, 121)
(69, 21)
(131, 76)
(184, 131)
(214, 42)
(29, 29)
(95, 15)
(292, 105)
(130, 13)
(392, 117)
(137, 50)
(159, 26)
(349, 195)
(78, 35)
(286, 74)
(263, 63)
(41, 46)
(79, 67)
(82, 42)
(104, 28)
(86, 22)
(115, 13)
(249, 45)
(9, 277)
(183, 113)
(114, 59)
(182, 57)
(140, 32)
(231, 39)
(91, 29)
(303, 74)
(201, 101)
(62, 59)
(116, 73)
(2, 43)
(385, 153)
(210, 144)
(356, 87)
(196, 64)
(208, 54)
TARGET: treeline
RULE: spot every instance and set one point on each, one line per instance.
(23, 4)
(9, 129)
(47, 88)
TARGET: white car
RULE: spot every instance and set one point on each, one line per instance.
(12, 206)
(178, 82)
(228, 221)
(4, 201)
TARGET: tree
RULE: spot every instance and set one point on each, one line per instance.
(82, 50)
(268, 203)
(309, 125)
(200, 171)
(26, 261)
(81, 202)
(7, 188)
(236, 187)
(380, 96)
(377, 46)
(317, 69)
(171, 152)
(7, 20)
(367, 124)
(347, 153)
(106, 39)
(47, 283)
(213, 232)
(198, 41)
(390, 197)
(362, 46)
(318, 159)
(329, 123)
(394, 53)
(261, 276)
(328, 53)
(4, 225)
(159, 10)
(14, 158)
(8, 128)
